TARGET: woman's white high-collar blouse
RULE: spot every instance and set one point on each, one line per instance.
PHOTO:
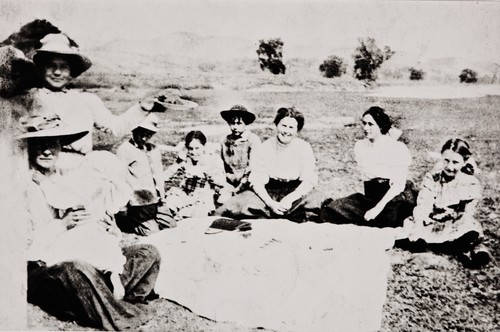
(385, 158)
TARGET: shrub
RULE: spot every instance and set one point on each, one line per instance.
(468, 76)
(333, 66)
(416, 74)
(207, 67)
(368, 57)
(270, 54)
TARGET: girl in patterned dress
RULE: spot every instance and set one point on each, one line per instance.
(443, 219)
(193, 184)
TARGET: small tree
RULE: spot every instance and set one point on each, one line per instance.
(333, 66)
(368, 57)
(468, 76)
(416, 74)
(270, 54)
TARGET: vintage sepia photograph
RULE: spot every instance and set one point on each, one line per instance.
(249, 165)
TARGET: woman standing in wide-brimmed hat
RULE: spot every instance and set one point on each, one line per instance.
(76, 269)
(59, 61)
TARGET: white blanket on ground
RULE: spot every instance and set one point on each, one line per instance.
(280, 275)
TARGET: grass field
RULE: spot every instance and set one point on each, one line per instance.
(426, 292)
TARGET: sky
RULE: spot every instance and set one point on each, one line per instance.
(426, 29)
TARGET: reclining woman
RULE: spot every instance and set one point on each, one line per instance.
(76, 268)
(59, 61)
(282, 176)
(383, 162)
(443, 220)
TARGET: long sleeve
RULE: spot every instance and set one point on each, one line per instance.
(157, 171)
(215, 171)
(308, 174)
(258, 160)
(85, 111)
(426, 198)
(44, 228)
(118, 125)
(144, 172)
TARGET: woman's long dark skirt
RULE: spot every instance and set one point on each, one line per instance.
(79, 292)
(352, 209)
(248, 205)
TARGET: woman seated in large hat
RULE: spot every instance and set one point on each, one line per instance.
(76, 268)
(59, 61)
(282, 176)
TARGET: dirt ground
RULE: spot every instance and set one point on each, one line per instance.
(426, 292)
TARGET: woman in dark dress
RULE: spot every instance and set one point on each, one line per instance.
(59, 281)
(383, 162)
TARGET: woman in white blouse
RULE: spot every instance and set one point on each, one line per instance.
(282, 175)
(383, 162)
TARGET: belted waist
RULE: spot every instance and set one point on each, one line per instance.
(282, 183)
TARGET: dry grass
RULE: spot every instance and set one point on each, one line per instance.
(426, 292)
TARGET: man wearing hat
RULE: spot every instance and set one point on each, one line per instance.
(145, 176)
(235, 150)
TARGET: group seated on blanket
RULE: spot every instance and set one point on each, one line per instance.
(282, 176)
(76, 268)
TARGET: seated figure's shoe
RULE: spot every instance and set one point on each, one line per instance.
(480, 256)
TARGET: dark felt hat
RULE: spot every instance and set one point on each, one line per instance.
(240, 112)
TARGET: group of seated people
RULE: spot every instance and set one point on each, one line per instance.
(86, 198)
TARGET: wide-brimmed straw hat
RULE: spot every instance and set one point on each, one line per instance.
(171, 100)
(45, 126)
(150, 123)
(60, 44)
(238, 111)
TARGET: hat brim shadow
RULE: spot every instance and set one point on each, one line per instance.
(64, 136)
(80, 62)
(246, 116)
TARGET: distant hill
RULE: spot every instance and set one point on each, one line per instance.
(181, 52)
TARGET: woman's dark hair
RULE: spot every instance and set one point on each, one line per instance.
(461, 147)
(381, 118)
(195, 134)
(290, 112)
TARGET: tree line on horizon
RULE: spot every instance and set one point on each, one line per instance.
(368, 58)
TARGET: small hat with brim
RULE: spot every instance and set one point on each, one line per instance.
(240, 112)
(60, 44)
(46, 126)
(150, 123)
(171, 100)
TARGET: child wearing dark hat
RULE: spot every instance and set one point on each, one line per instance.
(235, 150)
